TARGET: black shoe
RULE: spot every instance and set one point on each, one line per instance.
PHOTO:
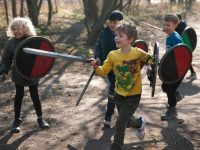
(16, 125)
(43, 124)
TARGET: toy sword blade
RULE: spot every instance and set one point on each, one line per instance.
(55, 55)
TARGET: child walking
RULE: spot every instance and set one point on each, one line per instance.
(125, 63)
(179, 29)
(104, 45)
(170, 22)
(18, 30)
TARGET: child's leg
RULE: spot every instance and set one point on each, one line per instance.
(38, 108)
(18, 105)
(18, 99)
(192, 69)
(35, 98)
(126, 107)
(109, 110)
(193, 74)
(110, 104)
(171, 91)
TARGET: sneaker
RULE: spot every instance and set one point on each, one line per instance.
(16, 125)
(141, 131)
(193, 76)
(170, 113)
(107, 123)
(42, 123)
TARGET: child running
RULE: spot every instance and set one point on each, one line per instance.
(125, 63)
(105, 44)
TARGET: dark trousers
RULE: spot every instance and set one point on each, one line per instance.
(110, 104)
(126, 108)
(191, 69)
(171, 91)
(34, 96)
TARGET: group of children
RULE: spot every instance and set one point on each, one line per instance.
(125, 63)
(119, 60)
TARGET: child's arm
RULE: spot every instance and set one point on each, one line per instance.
(7, 59)
(99, 46)
(105, 68)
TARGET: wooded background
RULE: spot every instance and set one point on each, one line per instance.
(95, 11)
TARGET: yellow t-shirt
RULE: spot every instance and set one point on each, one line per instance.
(126, 68)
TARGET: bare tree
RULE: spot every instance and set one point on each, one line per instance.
(50, 12)
(34, 7)
(96, 13)
(6, 10)
(14, 8)
(22, 8)
(56, 6)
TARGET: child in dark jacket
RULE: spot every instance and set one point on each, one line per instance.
(179, 29)
(104, 45)
(18, 30)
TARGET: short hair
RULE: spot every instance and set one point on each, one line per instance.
(127, 27)
(171, 17)
(25, 22)
(116, 15)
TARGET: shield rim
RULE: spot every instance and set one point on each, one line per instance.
(143, 42)
(163, 58)
(185, 30)
(15, 55)
(156, 55)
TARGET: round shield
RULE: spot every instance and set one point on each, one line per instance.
(154, 67)
(141, 44)
(32, 66)
(175, 63)
(189, 37)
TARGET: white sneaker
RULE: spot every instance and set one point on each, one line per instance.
(193, 76)
(140, 133)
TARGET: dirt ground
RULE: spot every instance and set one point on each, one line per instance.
(80, 128)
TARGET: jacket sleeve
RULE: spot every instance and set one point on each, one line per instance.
(7, 58)
(98, 53)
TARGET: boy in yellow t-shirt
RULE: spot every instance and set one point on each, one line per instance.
(125, 63)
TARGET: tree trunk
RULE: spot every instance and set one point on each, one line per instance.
(22, 8)
(33, 11)
(96, 13)
(56, 6)
(6, 10)
(14, 9)
(50, 12)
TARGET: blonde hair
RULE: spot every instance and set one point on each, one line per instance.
(127, 27)
(26, 24)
